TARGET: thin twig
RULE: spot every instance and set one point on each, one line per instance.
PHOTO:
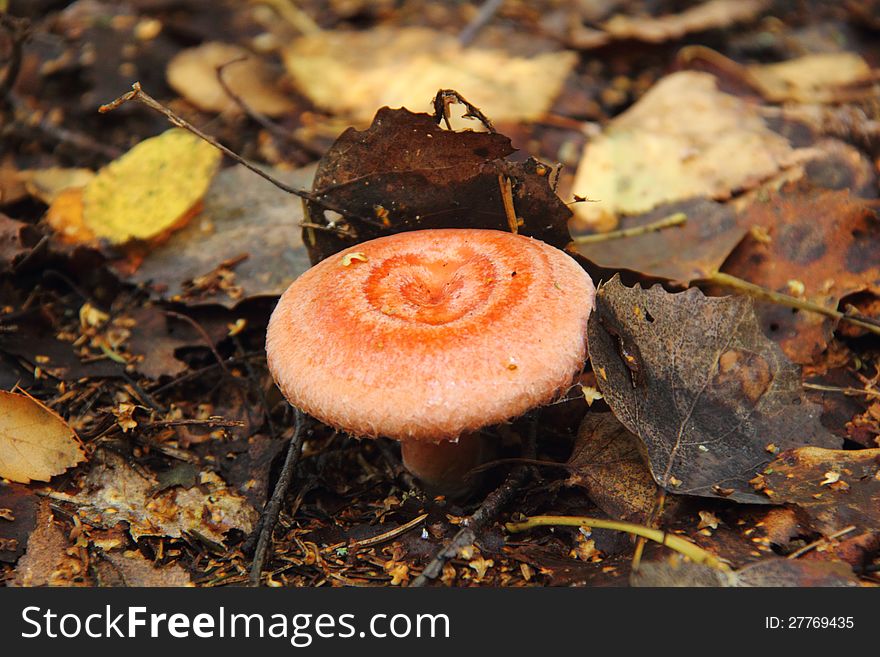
(849, 392)
(446, 97)
(741, 285)
(815, 544)
(506, 187)
(203, 333)
(667, 222)
(484, 15)
(19, 31)
(387, 536)
(269, 518)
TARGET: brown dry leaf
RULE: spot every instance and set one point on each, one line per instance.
(606, 461)
(114, 492)
(815, 78)
(131, 568)
(353, 73)
(246, 222)
(823, 246)
(35, 442)
(775, 572)
(193, 74)
(705, 390)
(47, 561)
(16, 240)
(709, 15)
(682, 139)
(406, 173)
(690, 251)
(836, 488)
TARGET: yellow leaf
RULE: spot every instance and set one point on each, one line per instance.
(47, 184)
(151, 189)
(35, 443)
(810, 79)
(65, 216)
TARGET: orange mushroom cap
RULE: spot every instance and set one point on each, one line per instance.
(430, 334)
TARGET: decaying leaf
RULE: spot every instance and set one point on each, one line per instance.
(18, 513)
(14, 242)
(836, 488)
(46, 561)
(147, 192)
(682, 139)
(114, 492)
(248, 225)
(131, 568)
(821, 246)
(810, 79)
(193, 74)
(35, 442)
(693, 250)
(704, 16)
(352, 73)
(775, 572)
(406, 173)
(606, 461)
(696, 379)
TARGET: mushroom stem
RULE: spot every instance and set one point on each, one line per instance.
(443, 467)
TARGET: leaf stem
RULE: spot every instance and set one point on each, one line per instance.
(681, 545)
(667, 222)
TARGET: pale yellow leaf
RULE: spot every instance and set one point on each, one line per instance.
(355, 73)
(151, 189)
(47, 184)
(193, 74)
(810, 79)
(35, 442)
(682, 139)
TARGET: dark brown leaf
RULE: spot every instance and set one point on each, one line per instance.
(836, 488)
(406, 173)
(699, 383)
(606, 461)
(18, 515)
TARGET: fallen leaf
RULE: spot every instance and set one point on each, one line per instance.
(693, 250)
(836, 488)
(193, 74)
(246, 221)
(606, 461)
(114, 492)
(65, 217)
(16, 241)
(352, 73)
(47, 561)
(813, 78)
(47, 184)
(684, 138)
(825, 240)
(35, 442)
(710, 15)
(775, 572)
(406, 173)
(696, 379)
(131, 568)
(151, 189)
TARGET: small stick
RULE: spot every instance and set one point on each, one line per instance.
(681, 545)
(667, 222)
(446, 97)
(815, 544)
(507, 199)
(792, 302)
(266, 527)
(204, 335)
(849, 392)
(387, 536)
(139, 95)
(484, 15)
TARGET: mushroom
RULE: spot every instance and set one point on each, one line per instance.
(428, 336)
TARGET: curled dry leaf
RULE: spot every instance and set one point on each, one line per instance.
(696, 379)
(836, 488)
(352, 73)
(143, 195)
(406, 173)
(193, 74)
(682, 139)
(35, 442)
(815, 244)
(607, 462)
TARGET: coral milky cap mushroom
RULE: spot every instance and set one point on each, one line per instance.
(428, 336)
